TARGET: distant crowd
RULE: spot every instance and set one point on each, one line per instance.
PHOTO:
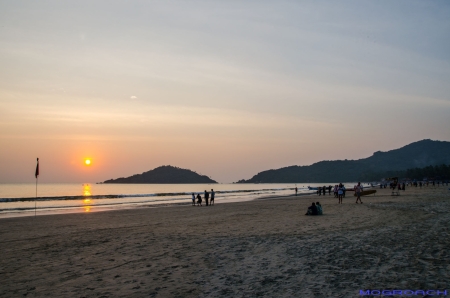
(402, 185)
(339, 191)
(427, 183)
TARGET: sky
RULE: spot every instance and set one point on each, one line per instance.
(225, 88)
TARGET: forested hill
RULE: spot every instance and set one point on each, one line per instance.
(415, 155)
(165, 175)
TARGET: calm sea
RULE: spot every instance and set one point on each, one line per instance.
(20, 199)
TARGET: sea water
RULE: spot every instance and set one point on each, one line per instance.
(26, 199)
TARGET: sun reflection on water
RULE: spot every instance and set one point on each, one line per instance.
(87, 190)
(87, 200)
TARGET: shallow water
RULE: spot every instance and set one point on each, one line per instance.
(23, 199)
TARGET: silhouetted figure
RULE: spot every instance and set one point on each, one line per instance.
(296, 191)
(193, 199)
(199, 200)
(329, 190)
(212, 197)
(319, 208)
(206, 197)
(312, 210)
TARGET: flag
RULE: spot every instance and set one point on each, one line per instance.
(36, 174)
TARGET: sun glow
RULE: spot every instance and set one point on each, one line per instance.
(87, 161)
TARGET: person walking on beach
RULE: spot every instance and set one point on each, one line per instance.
(340, 193)
(193, 199)
(206, 197)
(296, 190)
(329, 189)
(358, 191)
(199, 200)
(212, 197)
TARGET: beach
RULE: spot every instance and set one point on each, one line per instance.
(264, 247)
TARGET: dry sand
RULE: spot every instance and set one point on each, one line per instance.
(261, 248)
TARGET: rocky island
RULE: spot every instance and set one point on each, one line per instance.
(165, 175)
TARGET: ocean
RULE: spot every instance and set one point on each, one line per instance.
(20, 199)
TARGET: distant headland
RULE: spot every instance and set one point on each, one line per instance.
(165, 175)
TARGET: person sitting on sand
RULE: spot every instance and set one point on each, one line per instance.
(312, 210)
(199, 200)
(319, 208)
(193, 199)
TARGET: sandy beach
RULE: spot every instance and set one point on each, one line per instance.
(266, 248)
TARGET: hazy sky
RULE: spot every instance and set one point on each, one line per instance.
(225, 88)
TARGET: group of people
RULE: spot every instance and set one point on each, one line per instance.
(401, 186)
(314, 209)
(323, 190)
(339, 192)
(426, 183)
(209, 200)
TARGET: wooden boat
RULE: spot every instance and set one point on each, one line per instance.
(366, 192)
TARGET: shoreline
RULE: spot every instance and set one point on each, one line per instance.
(154, 204)
(120, 206)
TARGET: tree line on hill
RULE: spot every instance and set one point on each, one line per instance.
(438, 172)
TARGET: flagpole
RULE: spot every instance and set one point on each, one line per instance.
(36, 174)
(35, 199)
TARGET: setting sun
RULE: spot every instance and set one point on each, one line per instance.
(87, 162)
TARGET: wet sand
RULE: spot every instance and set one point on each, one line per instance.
(266, 247)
